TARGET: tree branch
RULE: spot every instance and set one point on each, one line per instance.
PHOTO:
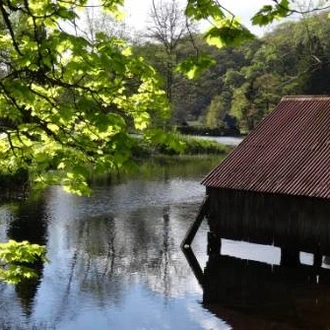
(6, 19)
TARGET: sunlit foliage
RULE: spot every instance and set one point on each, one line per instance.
(17, 259)
(67, 105)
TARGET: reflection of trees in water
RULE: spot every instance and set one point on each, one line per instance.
(93, 263)
(155, 248)
(97, 260)
(111, 253)
(166, 256)
(29, 222)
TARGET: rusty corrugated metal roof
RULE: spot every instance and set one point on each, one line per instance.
(287, 153)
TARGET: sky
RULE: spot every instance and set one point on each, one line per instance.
(137, 12)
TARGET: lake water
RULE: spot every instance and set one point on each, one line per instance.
(115, 261)
(114, 258)
(227, 140)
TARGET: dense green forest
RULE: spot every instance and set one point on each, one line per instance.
(248, 80)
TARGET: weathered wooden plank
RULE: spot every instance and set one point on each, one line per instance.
(191, 233)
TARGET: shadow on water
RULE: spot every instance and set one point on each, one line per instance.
(28, 222)
(249, 294)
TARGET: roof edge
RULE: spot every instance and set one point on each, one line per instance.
(306, 98)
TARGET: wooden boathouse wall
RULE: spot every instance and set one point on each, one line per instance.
(272, 219)
(274, 188)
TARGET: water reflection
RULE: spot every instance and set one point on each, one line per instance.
(249, 294)
(115, 261)
(28, 221)
(253, 295)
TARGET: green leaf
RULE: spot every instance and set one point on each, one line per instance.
(203, 9)
(113, 7)
(75, 183)
(66, 13)
(264, 16)
(227, 33)
(283, 8)
(267, 14)
(17, 256)
(194, 66)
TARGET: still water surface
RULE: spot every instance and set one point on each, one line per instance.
(227, 140)
(115, 261)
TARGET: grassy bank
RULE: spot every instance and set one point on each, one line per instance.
(180, 145)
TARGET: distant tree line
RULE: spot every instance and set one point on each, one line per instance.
(246, 81)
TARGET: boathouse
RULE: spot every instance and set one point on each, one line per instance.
(274, 188)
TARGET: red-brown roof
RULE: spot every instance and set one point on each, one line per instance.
(287, 153)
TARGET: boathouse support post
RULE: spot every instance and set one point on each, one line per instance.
(317, 262)
(190, 235)
(213, 244)
(290, 256)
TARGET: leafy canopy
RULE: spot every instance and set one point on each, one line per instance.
(66, 104)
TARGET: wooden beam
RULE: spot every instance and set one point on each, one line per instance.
(194, 265)
(190, 235)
